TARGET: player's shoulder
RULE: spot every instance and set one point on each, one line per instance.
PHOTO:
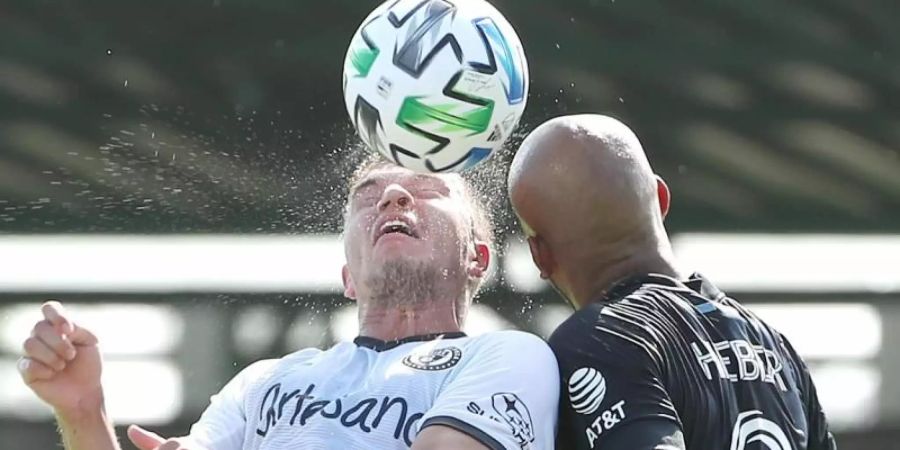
(258, 374)
(251, 375)
(626, 322)
(579, 325)
(307, 354)
(508, 347)
(259, 368)
(266, 367)
(508, 338)
(633, 307)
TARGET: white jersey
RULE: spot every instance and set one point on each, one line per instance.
(500, 388)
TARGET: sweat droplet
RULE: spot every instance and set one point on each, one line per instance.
(109, 52)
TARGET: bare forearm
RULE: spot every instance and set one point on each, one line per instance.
(87, 430)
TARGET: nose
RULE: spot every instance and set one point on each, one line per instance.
(395, 196)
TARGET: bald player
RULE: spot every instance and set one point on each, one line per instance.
(656, 357)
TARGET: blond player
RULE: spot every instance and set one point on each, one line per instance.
(417, 248)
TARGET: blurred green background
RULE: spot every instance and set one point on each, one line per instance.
(777, 122)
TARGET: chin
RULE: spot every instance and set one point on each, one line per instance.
(401, 256)
(390, 248)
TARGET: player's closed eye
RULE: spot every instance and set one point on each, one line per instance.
(430, 193)
(364, 201)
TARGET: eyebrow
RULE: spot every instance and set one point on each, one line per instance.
(371, 181)
(421, 177)
(363, 184)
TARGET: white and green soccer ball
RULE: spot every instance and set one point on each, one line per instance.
(435, 85)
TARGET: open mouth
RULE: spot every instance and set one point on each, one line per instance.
(396, 226)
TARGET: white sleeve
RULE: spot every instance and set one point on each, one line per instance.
(222, 425)
(506, 395)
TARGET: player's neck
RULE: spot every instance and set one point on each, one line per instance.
(399, 322)
(594, 280)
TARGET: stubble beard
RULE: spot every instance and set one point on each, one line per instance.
(404, 282)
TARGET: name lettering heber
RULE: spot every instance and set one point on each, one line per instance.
(739, 360)
(272, 410)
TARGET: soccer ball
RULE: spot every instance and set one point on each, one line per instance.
(435, 85)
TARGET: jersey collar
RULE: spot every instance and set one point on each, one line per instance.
(696, 282)
(700, 284)
(379, 345)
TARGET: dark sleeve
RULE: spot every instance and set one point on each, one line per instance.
(612, 396)
(820, 437)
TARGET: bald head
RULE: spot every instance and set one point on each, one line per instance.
(584, 185)
(578, 178)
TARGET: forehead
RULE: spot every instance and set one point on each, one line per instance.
(381, 177)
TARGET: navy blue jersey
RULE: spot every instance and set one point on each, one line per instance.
(664, 364)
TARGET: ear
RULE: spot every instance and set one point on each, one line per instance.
(479, 260)
(349, 287)
(664, 196)
(542, 256)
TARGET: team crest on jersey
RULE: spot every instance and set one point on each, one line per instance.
(435, 359)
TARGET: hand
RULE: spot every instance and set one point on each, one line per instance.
(148, 440)
(62, 363)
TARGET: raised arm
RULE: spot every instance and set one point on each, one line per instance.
(62, 366)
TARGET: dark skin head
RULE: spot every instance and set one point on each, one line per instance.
(591, 206)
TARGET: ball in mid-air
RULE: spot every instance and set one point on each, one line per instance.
(435, 85)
